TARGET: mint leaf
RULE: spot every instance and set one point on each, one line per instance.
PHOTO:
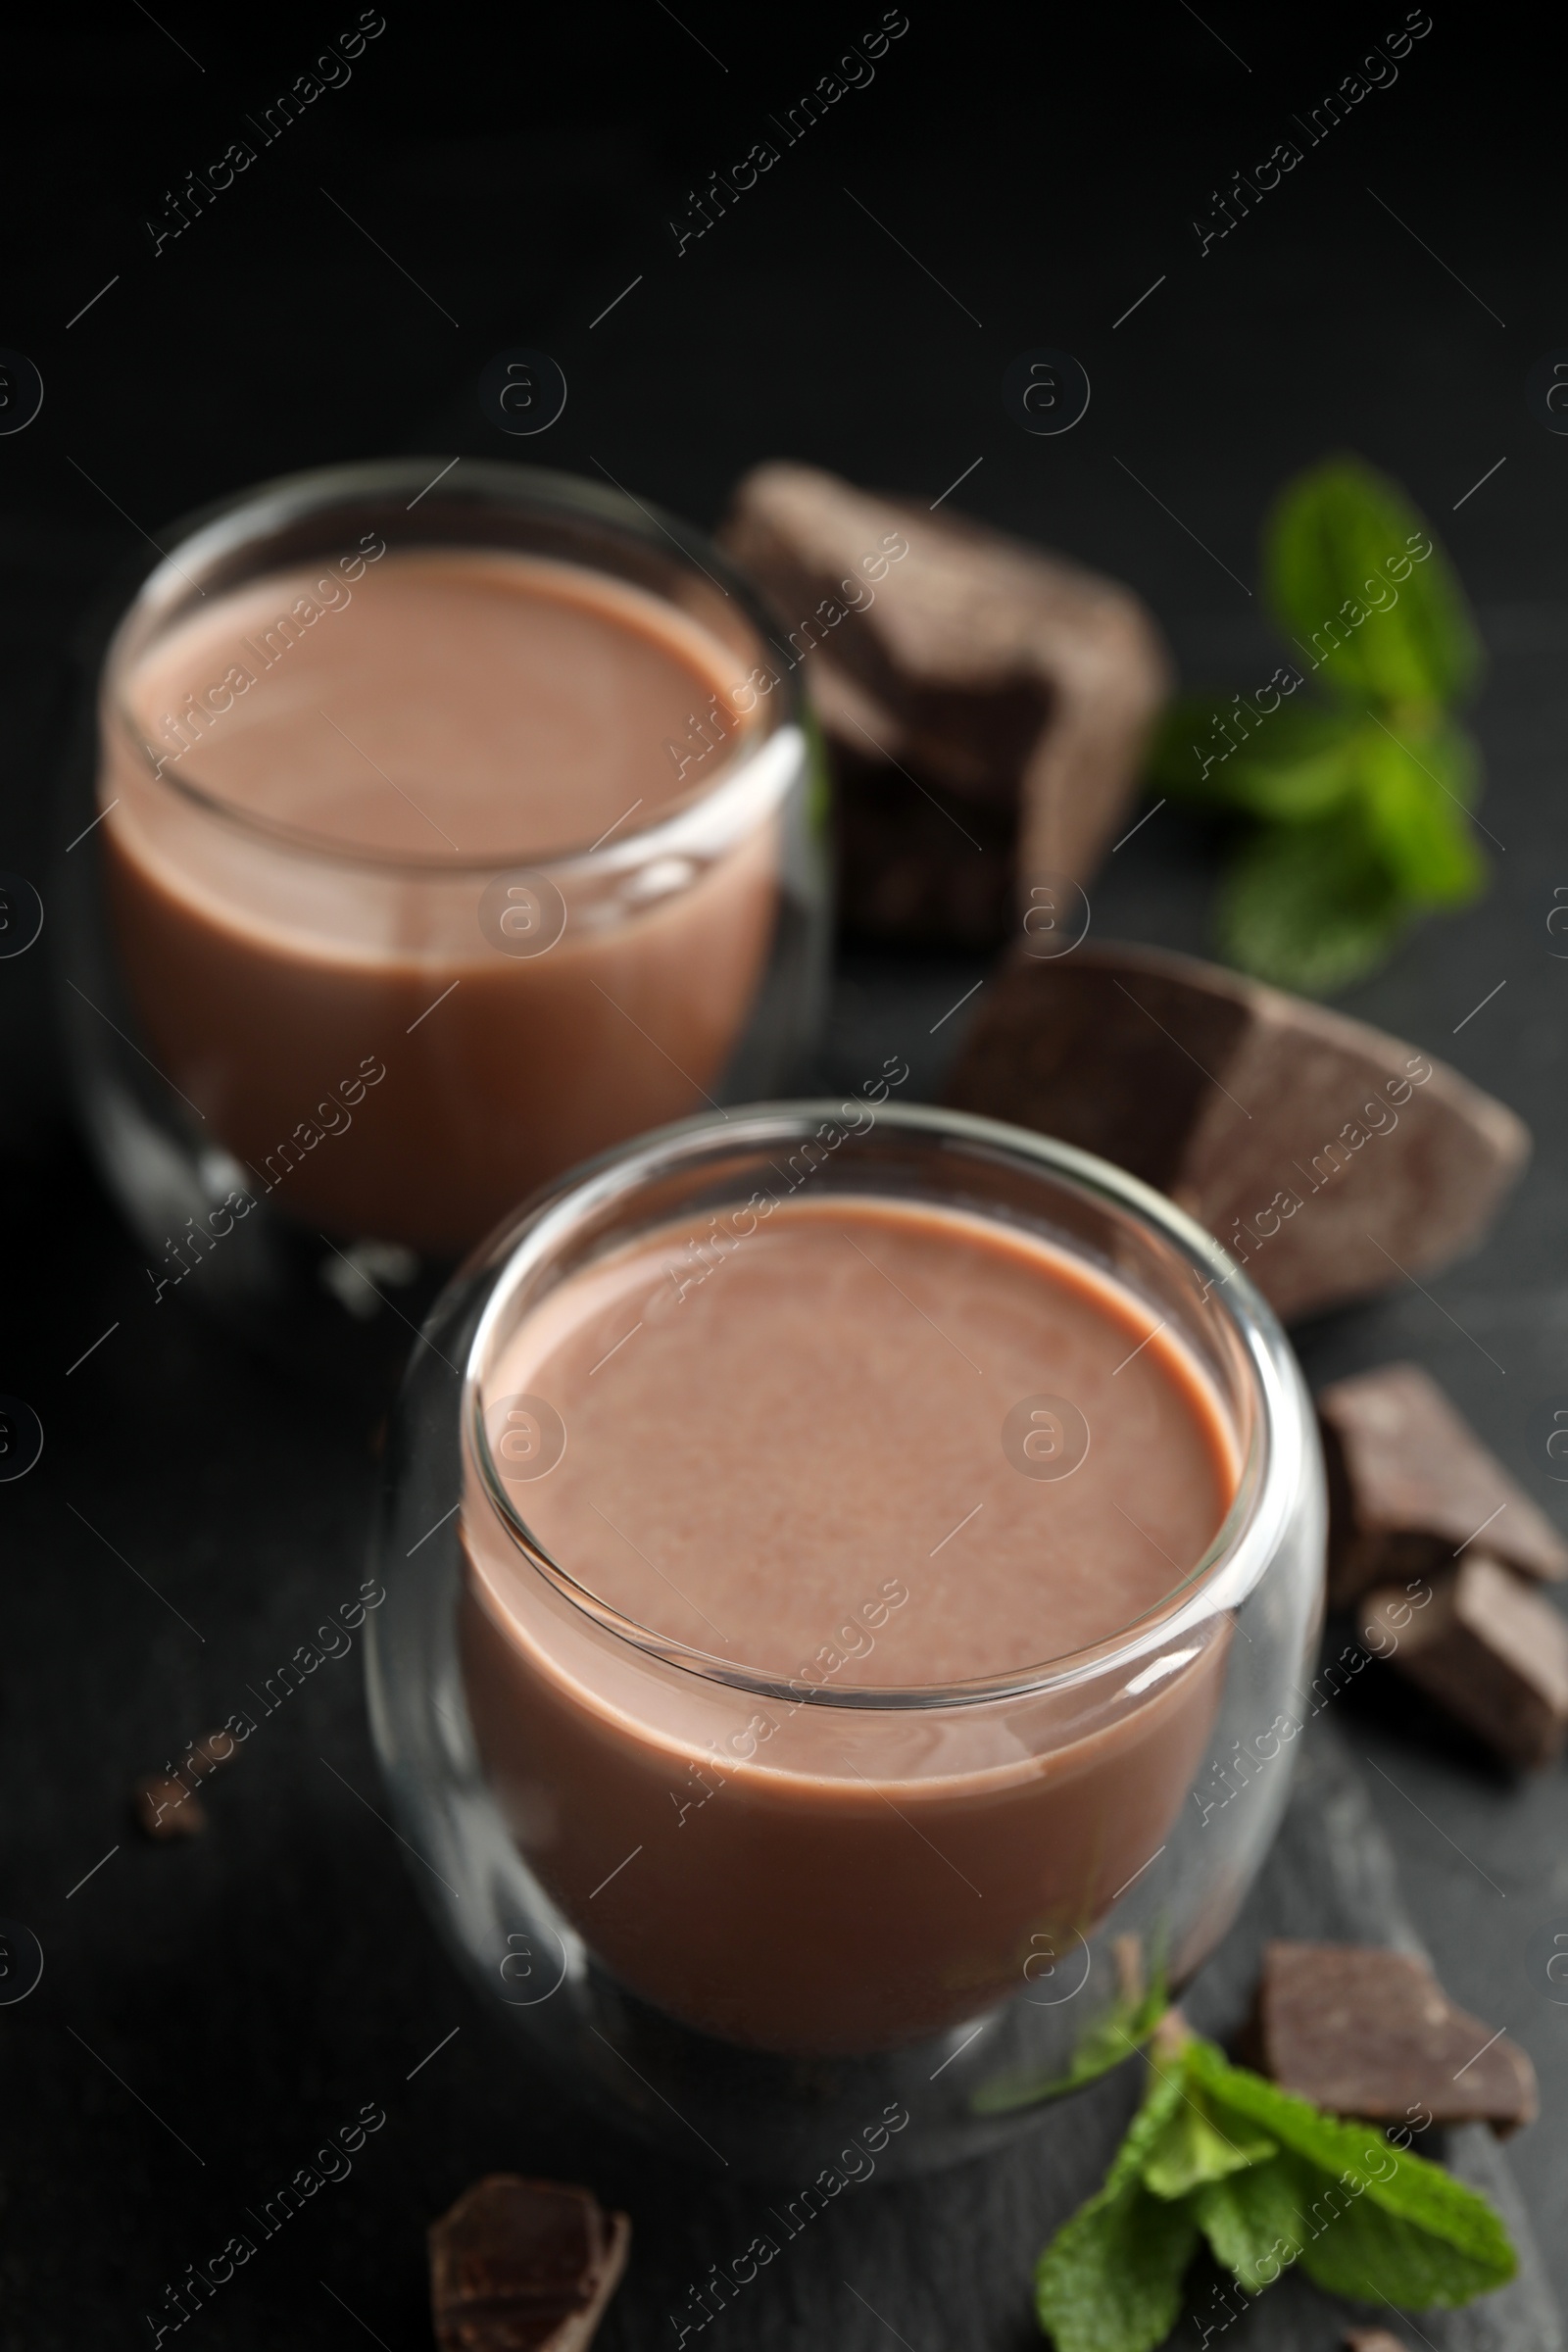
(1164, 2094)
(1374, 2222)
(1111, 2280)
(1194, 2147)
(1251, 2222)
(1359, 805)
(1311, 906)
(1351, 587)
(1110, 2040)
(1355, 2247)
(1217, 2152)
(1290, 763)
(1415, 802)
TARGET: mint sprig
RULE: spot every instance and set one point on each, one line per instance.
(1352, 773)
(1217, 2154)
(1124, 2028)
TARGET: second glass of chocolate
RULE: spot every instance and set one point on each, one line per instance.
(835, 1555)
(443, 832)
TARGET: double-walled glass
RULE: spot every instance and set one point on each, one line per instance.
(777, 1977)
(310, 1070)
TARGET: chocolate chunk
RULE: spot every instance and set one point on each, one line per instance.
(1488, 1648)
(1410, 1483)
(1370, 2032)
(523, 2266)
(914, 867)
(167, 1808)
(1329, 1159)
(986, 706)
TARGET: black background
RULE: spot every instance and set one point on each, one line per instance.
(507, 177)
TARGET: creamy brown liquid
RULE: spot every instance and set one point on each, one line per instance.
(796, 1464)
(447, 711)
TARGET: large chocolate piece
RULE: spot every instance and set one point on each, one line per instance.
(1329, 1159)
(986, 706)
(1370, 2032)
(523, 2266)
(1410, 1485)
(1488, 1648)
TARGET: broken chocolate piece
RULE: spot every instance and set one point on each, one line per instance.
(167, 1808)
(1488, 1648)
(1411, 1485)
(986, 705)
(523, 2266)
(905, 874)
(1370, 2032)
(1329, 1159)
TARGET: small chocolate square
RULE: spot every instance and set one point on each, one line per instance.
(1362, 2031)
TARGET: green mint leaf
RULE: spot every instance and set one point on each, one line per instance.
(1353, 2247)
(1362, 803)
(1311, 906)
(1416, 795)
(1292, 762)
(1251, 2222)
(1162, 2095)
(1269, 2181)
(1111, 2280)
(1361, 589)
(1373, 2220)
(1107, 2042)
(1195, 2146)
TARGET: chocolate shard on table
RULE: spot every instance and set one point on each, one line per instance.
(1410, 1483)
(1488, 1648)
(986, 706)
(523, 2266)
(1329, 1159)
(1362, 2031)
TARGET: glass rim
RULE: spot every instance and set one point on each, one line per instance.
(225, 526)
(1247, 1539)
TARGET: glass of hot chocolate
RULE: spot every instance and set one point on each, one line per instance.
(833, 1551)
(445, 827)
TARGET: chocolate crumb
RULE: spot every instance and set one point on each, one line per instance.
(167, 1808)
(165, 1803)
(1362, 2031)
(523, 2266)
